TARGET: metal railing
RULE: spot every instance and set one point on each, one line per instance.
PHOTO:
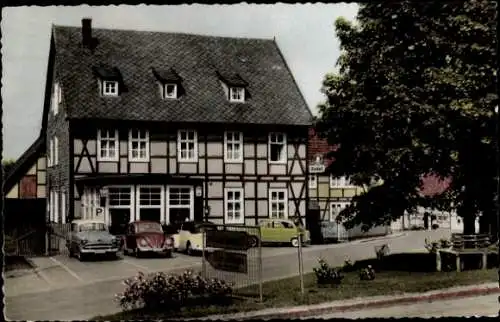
(479, 241)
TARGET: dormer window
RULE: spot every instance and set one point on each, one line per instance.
(110, 88)
(110, 80)
(170, 90)
(236, 94)
(235, 87)
(170, 82)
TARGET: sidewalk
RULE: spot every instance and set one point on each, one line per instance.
(363, 303)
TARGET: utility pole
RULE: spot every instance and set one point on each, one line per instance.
(301, 266)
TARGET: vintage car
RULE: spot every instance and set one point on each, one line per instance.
(191, 237)
(172, 231)
(91, 237)
(147, 237)
(281, 231)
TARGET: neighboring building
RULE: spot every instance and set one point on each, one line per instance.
(170, 126)
(24, 189)
(329, 194)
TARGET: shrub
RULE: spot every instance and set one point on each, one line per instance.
(327, 275)
(367, 273)
(348, 266)
(168, 292)
(432, 246)
(445, 243)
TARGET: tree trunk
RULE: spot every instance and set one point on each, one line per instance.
(469, 224)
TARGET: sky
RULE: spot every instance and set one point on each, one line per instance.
(304, 33)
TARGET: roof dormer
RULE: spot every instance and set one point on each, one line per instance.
(235, 87)
(110, 80)
(170, 82)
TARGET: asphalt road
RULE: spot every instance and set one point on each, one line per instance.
(486, 305)
(79, 291)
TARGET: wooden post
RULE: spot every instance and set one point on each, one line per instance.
(301, 273)
(457, 261)
(485, 259)
(438, 261)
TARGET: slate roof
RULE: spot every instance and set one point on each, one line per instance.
(274, 97)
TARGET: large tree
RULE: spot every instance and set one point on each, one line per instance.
(415, 94)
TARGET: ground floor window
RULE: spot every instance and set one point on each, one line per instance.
(151, 203)
(233, 200)
(180, 204)
(278, 203)
(54, 206)
(336, 208)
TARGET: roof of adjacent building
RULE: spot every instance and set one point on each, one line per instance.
(432, 185)
(140, 57)
(24, 163)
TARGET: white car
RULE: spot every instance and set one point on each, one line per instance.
(190, 237)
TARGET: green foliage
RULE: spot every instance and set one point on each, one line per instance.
(171, 292)
(367, 273)
(348, 266)
(327, 275)
(414, 95)
(7, 165)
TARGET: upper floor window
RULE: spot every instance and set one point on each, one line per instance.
(277, 147)
(234, 204)
(107, 145)
(278, 203)
(56, 151)
(138, 145)
(57, 98)
(233, 146)
(236, 94)
(110, 88)
(170, 90)
(187, 145)
(340, 182)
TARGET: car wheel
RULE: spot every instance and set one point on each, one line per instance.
(81, 257)
(295, 242)
(168, 254)
(189, 249)
(253, 241)
(137, 253)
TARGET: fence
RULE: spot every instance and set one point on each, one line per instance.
(29, 243)
(57, 233)
(233, 253)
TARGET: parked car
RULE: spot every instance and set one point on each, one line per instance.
(191, 237)
(173, 232)
(282, 231)
(91, 237)
(147, 237)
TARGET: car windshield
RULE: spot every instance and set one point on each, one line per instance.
(287, 224)
(148, 227)
(92, 226)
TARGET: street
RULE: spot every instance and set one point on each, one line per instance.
(486, 305)
(69, 290)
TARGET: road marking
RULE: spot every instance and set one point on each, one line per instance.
(66, 268)
(136, 265)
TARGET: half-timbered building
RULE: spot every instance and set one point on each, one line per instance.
(171, 126)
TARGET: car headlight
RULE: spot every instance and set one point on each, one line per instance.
(169, 241)
(143, 242)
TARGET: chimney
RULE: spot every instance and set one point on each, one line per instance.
(87, 32)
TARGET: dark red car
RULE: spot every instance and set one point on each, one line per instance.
(147, 237)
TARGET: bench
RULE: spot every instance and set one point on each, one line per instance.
(466, 245)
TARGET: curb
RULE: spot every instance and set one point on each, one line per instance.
(291, 312)
(370, 239)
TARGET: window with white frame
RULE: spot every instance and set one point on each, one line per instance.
(56, 98)
(54, 206)
(340, 182)
(90, 203)
(277, 147)
(313, 181)
(278, 203)
(110, 88)
(119, 197)
(138, 145)
(63, 207)
(180, 204)
(233, 146)
(234, 206)
(56, 150)
(107, 145)
(170, 90)
(51, 152)
(236, 94)
(336, 208)
(187, 145)
(150, 203)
